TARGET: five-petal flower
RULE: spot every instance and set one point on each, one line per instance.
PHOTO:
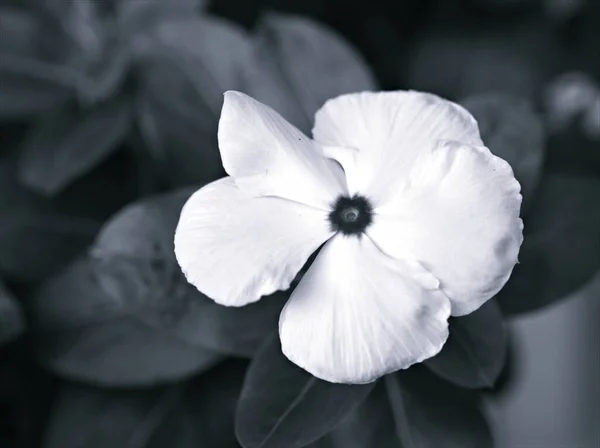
(417, 221)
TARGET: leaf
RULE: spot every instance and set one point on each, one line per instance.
(139, 15)
(186, 66)
(132, 270)
(513, 132)
(561, 247)
(33, 79)
(300, 64)
(12, 322)
(431, 413)
(38, 235)
(26, 394)
(455, 61)
(368, 425)
(475, 352)
(80, 21)
(121, 352)
(198, 413)
(282, 405)
(72, 142)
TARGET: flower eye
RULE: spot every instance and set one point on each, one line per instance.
(351, 215)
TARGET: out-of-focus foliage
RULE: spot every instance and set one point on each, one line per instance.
(111, 315)
(108, 120)
(281, 405)
(513, 131)
(561, 249)
(39, 235)
(12, 322)
(474, 355)
(191, 414)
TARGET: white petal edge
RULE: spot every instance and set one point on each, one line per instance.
(267, 156)
(377, 136)
(358, 314)
(458, 215)
(235, 248)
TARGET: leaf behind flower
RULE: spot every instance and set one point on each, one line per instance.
(561, 247)
(430, 412)
(300, 64)
(67, 145)
(12, 321)
(514, 132)
(475, 352)
(282, 405)
(190, 414)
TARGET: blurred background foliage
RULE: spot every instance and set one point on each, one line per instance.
(108, 119)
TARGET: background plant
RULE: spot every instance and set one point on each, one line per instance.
(109, 113)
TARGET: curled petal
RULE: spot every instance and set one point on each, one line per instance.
(458, 215)
(267, 156)
(358, 314)
(377, 136)
(235, 248)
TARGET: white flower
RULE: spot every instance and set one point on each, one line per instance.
(420, 221)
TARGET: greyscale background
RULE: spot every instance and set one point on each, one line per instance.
(107, 103)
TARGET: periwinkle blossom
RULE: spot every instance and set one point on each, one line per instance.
(417, 220)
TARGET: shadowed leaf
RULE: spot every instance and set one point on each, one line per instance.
(121, 352)
(67, 145)
(282, 405)
(35, 71)
(475, 352)
(182, 85)
(197, 413)
(132, 271)
(431, 413)
(561, 249)
(38, 235)
(299, 64)
(12, 322)
(513, 132)
(369, 425)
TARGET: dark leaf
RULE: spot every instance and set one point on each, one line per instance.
(26, 394)
(561, 249)
(121, 352)
(369, 425)
(132, 271)
(29, 87)
(87, 292)
(67, 145)
(98, 53)
(513, 132)
(198, 413)
(455, 61)
(137, 248)
(80, 21)
(31, 81)
(282, 405)
(12, 322)
(431, 413)
(300, 64)
(182, 93)
(38, 235)
(233, 331)
(139, 15)
(474, 355)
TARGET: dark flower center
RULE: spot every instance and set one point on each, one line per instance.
(350, 215)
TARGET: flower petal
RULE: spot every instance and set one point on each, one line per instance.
(236, 249)
(358, 314)
(459, 216)
(267, 156)
(377, 136)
